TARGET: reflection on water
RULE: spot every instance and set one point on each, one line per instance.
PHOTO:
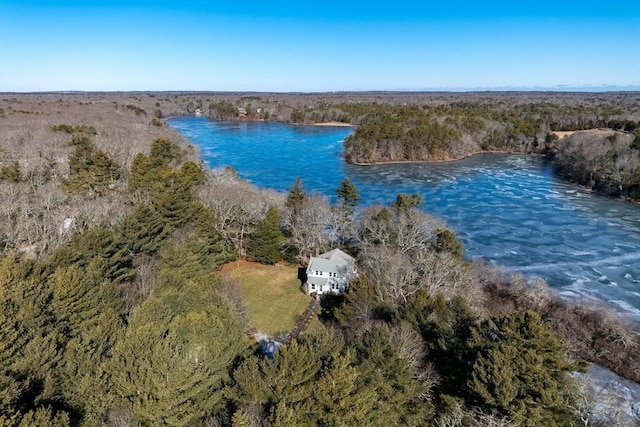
(508, 209)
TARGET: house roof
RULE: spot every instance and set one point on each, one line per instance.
(336, 255)
(333, 261)
(325, 265)
(318, 281)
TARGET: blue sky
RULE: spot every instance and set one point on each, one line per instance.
(317, 45)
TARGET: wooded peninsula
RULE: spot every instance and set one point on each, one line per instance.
(115, 308)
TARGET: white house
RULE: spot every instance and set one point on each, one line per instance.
(330, 273)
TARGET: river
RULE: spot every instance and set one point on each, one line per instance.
(508, 209)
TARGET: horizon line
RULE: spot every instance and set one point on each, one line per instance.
(558, 89)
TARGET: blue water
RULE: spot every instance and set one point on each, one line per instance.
(507, 209)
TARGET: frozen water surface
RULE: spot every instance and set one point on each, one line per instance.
(507, 209)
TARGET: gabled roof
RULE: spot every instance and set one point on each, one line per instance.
(334, 261)
(337, 255)
(325, 265)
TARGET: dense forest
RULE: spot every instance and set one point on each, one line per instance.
(113, 310)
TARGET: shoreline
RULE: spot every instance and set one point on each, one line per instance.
(333, 123)
(584, 187)
(393, 162)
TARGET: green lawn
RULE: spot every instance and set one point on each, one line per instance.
(272, 296)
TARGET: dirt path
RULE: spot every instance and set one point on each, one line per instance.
(303, 322)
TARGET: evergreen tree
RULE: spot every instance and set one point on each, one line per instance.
(164, 152)
(521, 370)
(91, 171)
(360, 304)
(139, 176)
(284, 415)
(296, 198)
(104, 244)
(266, 243)
(30, 347)
(348, 193)
(382, 367)
(45, 417)
(340, 398)
(289, 377)
(240, 419)
(446, 241)
(11, 172)
(171, 366)
(145, 230)
(405, 202)
(348, 198)
(212, 244)
(445, 326)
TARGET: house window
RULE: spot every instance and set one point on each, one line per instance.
(313, 287)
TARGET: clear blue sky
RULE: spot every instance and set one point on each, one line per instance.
(272, 45)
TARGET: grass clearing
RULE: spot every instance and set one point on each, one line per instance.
(271, 294)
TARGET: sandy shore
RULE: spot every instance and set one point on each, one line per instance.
(563, 134)
(332, 124)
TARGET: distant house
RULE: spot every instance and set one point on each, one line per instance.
(330, 273)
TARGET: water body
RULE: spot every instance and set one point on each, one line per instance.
(507, 209)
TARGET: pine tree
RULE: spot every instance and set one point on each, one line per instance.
(348, 193)
(405, 202)
(164, 151)
(91, 171)
(218, 251)
(266, 243)
(521, 370)
(446, 241)
(445, 326)
(296, 198)
(171, 366)
(290, 377)
(30, 347)
(382, 367)
(11, 172)
(145, 230)
(45, 417)
(240, 419)
(340, 398)
(104, 244)
(284, 415)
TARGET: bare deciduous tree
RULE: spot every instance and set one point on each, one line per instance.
(238, 206)
(312, 228)
(441, 272)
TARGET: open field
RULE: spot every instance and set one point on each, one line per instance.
(563, 134)
(271, 294)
